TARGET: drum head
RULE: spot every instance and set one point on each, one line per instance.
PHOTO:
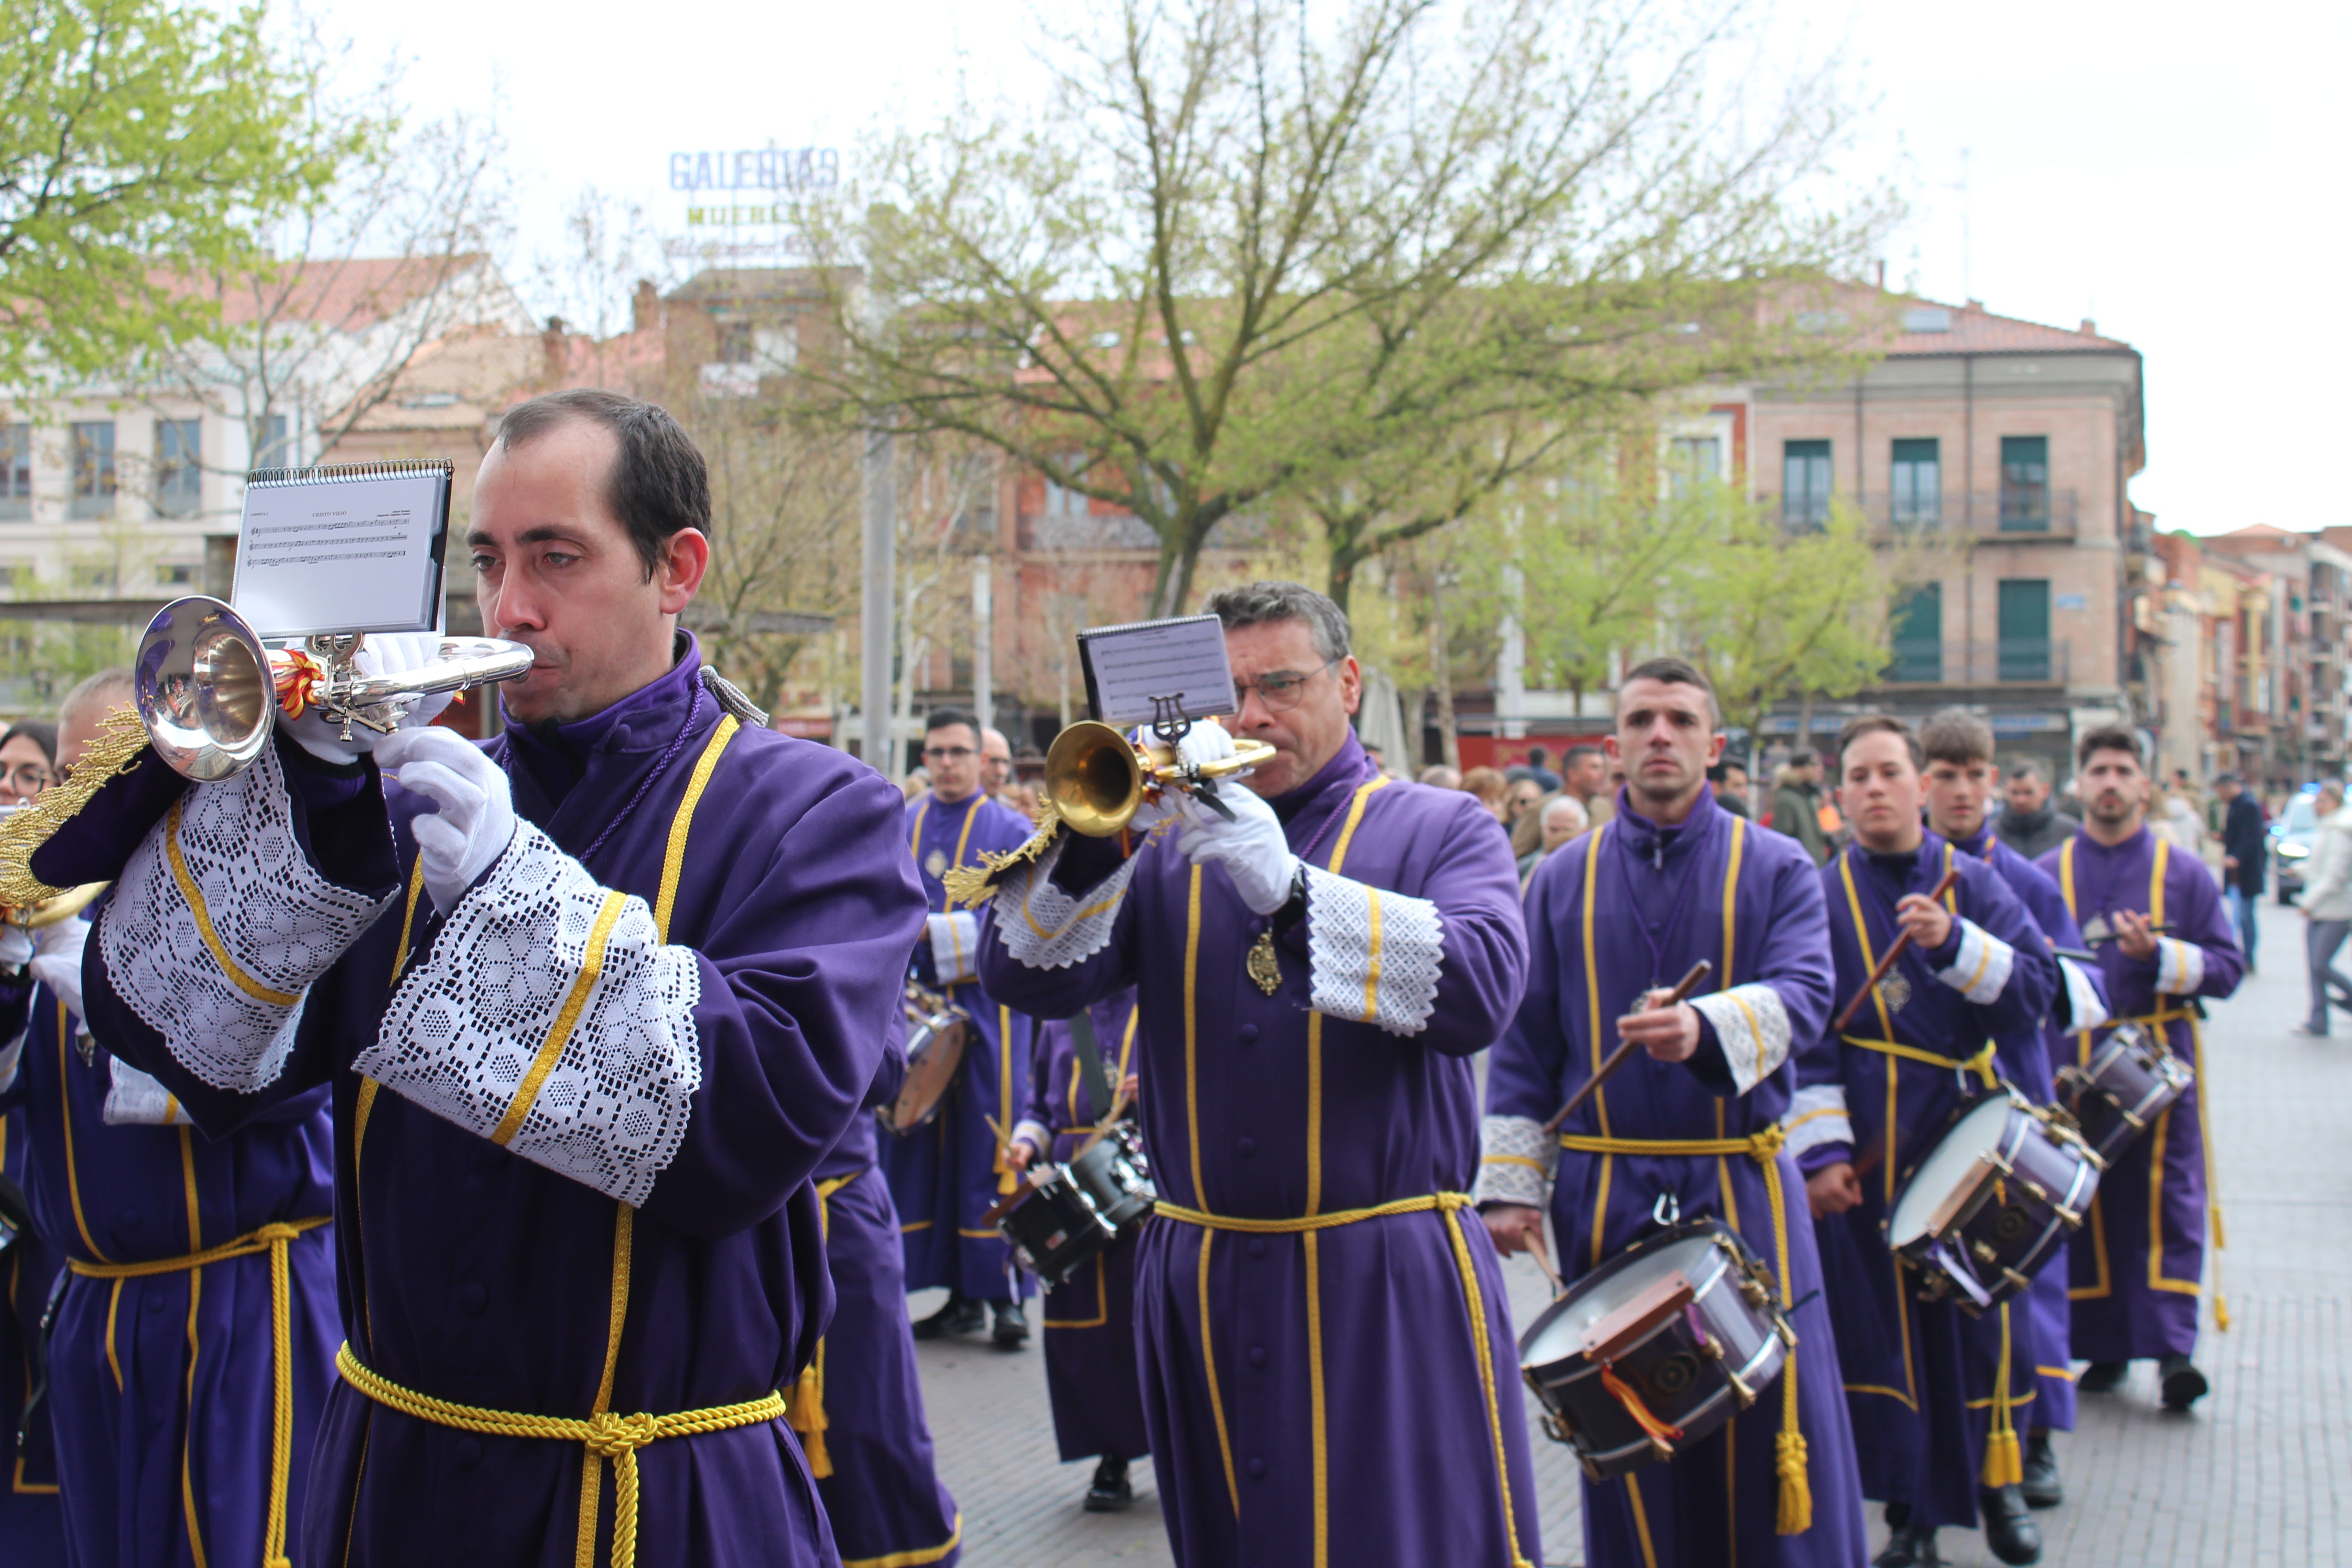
(1953, 1162)
(934, 1055)
(1596, 1296)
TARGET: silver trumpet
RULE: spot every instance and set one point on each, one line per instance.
(209, 693)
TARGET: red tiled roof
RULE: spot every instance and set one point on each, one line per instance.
(1972, 329)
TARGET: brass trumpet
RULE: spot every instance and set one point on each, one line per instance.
(1098, 778)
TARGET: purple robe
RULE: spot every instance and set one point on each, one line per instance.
(32, 1523)
(1610, 913)
(1343, 1392)
(138, 1471)
(2135, 1294)
(1912, 1367)
(629, 1228)
(1091, 1373)
(945, 1177)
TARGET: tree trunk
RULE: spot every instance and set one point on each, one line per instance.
(1441, 675)
(1341, 580)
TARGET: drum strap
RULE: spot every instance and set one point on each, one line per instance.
(1979, 1064)
(1088, 1052)
(1789, 1458)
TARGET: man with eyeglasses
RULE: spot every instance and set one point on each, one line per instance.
(945, 1177)
(1326, 1346)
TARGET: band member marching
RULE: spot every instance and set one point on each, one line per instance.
(2164, 940)
(1960, 1010)
(1326, 1349)
(945, 1177)
(1091, 1375)
(1691, 1127)
(1960, 781)
(32, 1525)
(588, 1033)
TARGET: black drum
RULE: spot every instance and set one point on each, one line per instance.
(1659, 1346)
(1980, 1210)
(2133, 1078)
(1078, 1209)
(1113, 1171)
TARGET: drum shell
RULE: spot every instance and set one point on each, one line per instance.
(935, 1047)
(2132, 1079)
(2006, 1230)
(1680, 1380)
(1055, 1226)
(1114, 1173)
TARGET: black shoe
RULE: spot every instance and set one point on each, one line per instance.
(2041, 1488)
(2102, 1377)
(1011, 1331)
(2009, 1525)
(1111, 1492)
(1911, 1546)
(2179, 1381)
(961, 1315)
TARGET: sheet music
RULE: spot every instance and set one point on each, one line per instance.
(343, 552)
(1127, 665)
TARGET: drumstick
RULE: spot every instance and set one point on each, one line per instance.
(1943, 886)
(1688, 983)
(1543, 1261)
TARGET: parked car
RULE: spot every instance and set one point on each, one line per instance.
(2292, 836)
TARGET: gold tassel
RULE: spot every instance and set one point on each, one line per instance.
(973, 885)
(1796, 1494)
(2004, 1461)
(2220, 1311)
(22, 833)
(805, 1415)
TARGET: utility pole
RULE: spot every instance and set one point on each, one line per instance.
(984, 642)
(878, 598)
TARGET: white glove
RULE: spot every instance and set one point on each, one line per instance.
(56, 960)
(15, 947)
(1256, 852)
(1206, 742)
(383, 654)
(476, 821)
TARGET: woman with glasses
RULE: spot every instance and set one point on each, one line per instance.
(28, 760)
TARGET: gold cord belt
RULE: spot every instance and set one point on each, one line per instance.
(606, 1435)
(275, 1240)
(1979, 1064)
(1448, 1202)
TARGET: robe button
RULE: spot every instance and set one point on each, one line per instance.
(1257, 1355)
(473, 1300)
(1257, 1469)
(1248, 1034)
(1246, 1147)
(468, 1452)
(1257, 1247)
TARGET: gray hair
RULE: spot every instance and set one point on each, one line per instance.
(115, 684)
(2029, 768)
(1256, 604)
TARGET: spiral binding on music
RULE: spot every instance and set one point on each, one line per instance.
(337, 472)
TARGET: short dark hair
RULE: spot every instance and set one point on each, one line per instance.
(1804, 757)
(1577, 753)
(40, 732)
(1721, 772)
(2109, 738)
(1255, 604)
(939, 719)
(1879, 724)
(1674, 671)
(1538, 755)
(1957, 735)
(659, 486)
(2029, 768)
(2219, 779)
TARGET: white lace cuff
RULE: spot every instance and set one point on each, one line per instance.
(1982, 967)
(551, 1020)
(1753, 1026)
(1373, 956)
(2180, 966)
(1515, 1162)
(1817, 1116)
(12, 1055)
(2086, 1008)
(219, 925)
(135, 1100)
(1036, 1134)
(1046, 928)
(955, 945)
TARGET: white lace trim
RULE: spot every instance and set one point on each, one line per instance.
(2180, 966)
(1046, 928)
(1982, 967)
(955, 945)
(466, 1029)
(278, 920)
(1374, 956)
(1517, 1161)
(1817, 1116)
(1753, 1026)
(2085, 1007)
(135, 1100)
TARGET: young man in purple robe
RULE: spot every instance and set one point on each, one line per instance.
(1960, 781)
(188, 1257)
(1091, 1375)
(32, 1522)
(1327, 1351)
(2164, 940)
(1959, 1011)
(945, 1177)
(587, 1043)
(1690, 1127)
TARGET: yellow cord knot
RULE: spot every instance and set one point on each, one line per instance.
(1796, 1515)
(613, 1436)
(277, 1230)
(1767, 1143)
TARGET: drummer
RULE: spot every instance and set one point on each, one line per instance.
(1962, 779)
(1089, 1320)
(1960, 1010)
(1688, 1127)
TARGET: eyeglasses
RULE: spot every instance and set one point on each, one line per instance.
(30, 778)
(949, 753)
(1279, 690)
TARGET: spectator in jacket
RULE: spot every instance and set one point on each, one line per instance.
(2327, 906)
(2245, 851)
(2029, 822)
(1797, 803)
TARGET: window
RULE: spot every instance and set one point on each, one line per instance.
(16, 473)
(93, 468)
(1805, 485)
(2025, 484)
(1692, 460)
(273, 452)
(177, 574)
(1063, 503)
(1917, 488)
(179, 479)
(2024, 651)
(1918, 636)
(97, 580)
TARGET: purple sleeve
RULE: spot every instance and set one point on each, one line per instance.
(1058, 993)
(1474, 883)
(2204, 920)
(1530, 1064)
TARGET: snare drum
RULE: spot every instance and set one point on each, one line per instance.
(2132, 1079)
(1657, 1347)
(1082, 1207)
(935, 1042)
(1113, 1173)
(1980, 1212)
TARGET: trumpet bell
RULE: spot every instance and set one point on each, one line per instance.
(1094, 778)
(203, 686)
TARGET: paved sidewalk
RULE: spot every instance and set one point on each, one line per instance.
(2258, 1477)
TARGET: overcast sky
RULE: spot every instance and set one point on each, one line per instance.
(2162, 168)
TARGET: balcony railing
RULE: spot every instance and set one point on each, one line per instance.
(2004, 661)
(2046, 514)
